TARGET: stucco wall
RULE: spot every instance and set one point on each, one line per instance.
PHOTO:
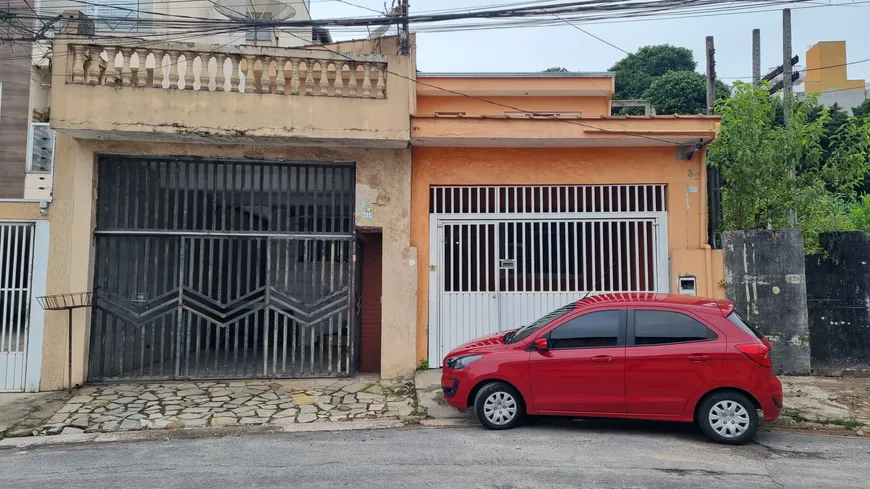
(383, 188)
(570, 166)
(146, 113)
(588, 106)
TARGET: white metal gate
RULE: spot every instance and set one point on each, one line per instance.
(20, 342)
(505, 256)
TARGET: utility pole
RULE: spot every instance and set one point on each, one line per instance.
(756, 56)
(786, 94)
(405, 37)
(711, 75)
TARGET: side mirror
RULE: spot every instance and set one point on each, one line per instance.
(541, 344)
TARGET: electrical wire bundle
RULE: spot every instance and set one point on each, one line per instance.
(159, 23)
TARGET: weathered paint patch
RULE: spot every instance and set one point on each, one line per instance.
(795, 279)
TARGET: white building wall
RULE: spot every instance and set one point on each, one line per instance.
(154, 12)
(846, 99)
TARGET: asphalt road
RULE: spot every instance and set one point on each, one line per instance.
(549, 454)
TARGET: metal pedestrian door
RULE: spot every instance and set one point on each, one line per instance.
(16, 278)
(223, 269)
(505, 256)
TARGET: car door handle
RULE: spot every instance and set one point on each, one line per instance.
(602, 359)
(699, 357)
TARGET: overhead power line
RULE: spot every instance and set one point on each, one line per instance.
(597, 9)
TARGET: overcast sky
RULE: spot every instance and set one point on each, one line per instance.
(535, 49)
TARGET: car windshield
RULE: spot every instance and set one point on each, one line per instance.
(527, 330)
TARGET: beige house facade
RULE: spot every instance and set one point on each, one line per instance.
(213, 206)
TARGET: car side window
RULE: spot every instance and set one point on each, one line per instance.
(594, 330)
(668, 327)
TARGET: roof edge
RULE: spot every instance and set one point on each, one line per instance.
(597, 74)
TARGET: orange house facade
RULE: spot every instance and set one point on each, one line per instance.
(526, 194)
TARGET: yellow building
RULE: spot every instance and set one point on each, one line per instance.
(826, 75)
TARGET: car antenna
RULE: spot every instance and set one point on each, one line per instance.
(600, 280)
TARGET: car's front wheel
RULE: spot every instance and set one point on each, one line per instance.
(498, 406)
(728, 417)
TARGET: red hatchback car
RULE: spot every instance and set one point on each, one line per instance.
(639, 356)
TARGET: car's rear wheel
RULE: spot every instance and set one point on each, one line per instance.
(498, 406)
(728, 417)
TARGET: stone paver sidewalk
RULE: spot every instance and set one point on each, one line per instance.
(128, 407)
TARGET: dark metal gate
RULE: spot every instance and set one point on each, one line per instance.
(223, 269)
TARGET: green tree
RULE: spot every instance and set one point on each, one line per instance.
(682, 92)
(861, 214)
(636, 72)
(863, 109)
(754, 154)
(556, 69)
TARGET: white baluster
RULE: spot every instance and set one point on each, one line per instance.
(323, 88)
(220, 76)
(234, 73)
(367, 82)
(188, 70)
(250, 79)
(204, 76)
(94, 65)
(126, 74)
(280, 80)
(173, 69)
(309, 77)
(111, 77)
(142, 72)
(338, 90)
(380, 89)
(351, 83)
(158, 68)
(78, 69)
(294, 77)
(266, 75)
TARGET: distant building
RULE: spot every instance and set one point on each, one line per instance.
(826, 74)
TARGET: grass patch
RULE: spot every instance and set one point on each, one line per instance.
(851, 423)
(795, 415)
(424, 365)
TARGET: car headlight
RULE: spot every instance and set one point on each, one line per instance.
(460, 362)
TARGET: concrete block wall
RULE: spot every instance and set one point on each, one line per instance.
(765, 277)
(838, 295)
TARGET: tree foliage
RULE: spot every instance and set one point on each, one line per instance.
(754, 154)
(682, 92)
(861, 214)
(636, 72)
(556, 69)
(863, 109)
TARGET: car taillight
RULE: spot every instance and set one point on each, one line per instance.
(758, 353)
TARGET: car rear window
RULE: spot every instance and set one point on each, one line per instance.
(745, 325)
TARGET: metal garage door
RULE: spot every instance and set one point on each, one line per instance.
(505, 256)
(223, 269)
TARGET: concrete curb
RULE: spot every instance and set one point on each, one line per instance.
(186, 433)
(448, 423)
